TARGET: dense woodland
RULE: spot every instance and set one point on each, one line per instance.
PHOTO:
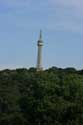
(50, 97)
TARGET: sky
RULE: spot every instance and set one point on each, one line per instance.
(61, 22)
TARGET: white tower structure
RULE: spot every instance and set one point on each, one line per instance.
(39, 57)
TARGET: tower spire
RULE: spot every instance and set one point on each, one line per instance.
(40, 37)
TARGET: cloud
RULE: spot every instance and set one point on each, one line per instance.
(73, 3)
(65, 26)
(67, 16)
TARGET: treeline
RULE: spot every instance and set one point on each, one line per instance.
(51, 97)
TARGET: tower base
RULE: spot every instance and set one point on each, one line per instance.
(39, 69)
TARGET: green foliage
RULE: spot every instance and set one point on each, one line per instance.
(50, 97)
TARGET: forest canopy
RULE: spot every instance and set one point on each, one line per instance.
(51, 97)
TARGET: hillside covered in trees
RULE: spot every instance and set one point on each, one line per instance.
(50, 97)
